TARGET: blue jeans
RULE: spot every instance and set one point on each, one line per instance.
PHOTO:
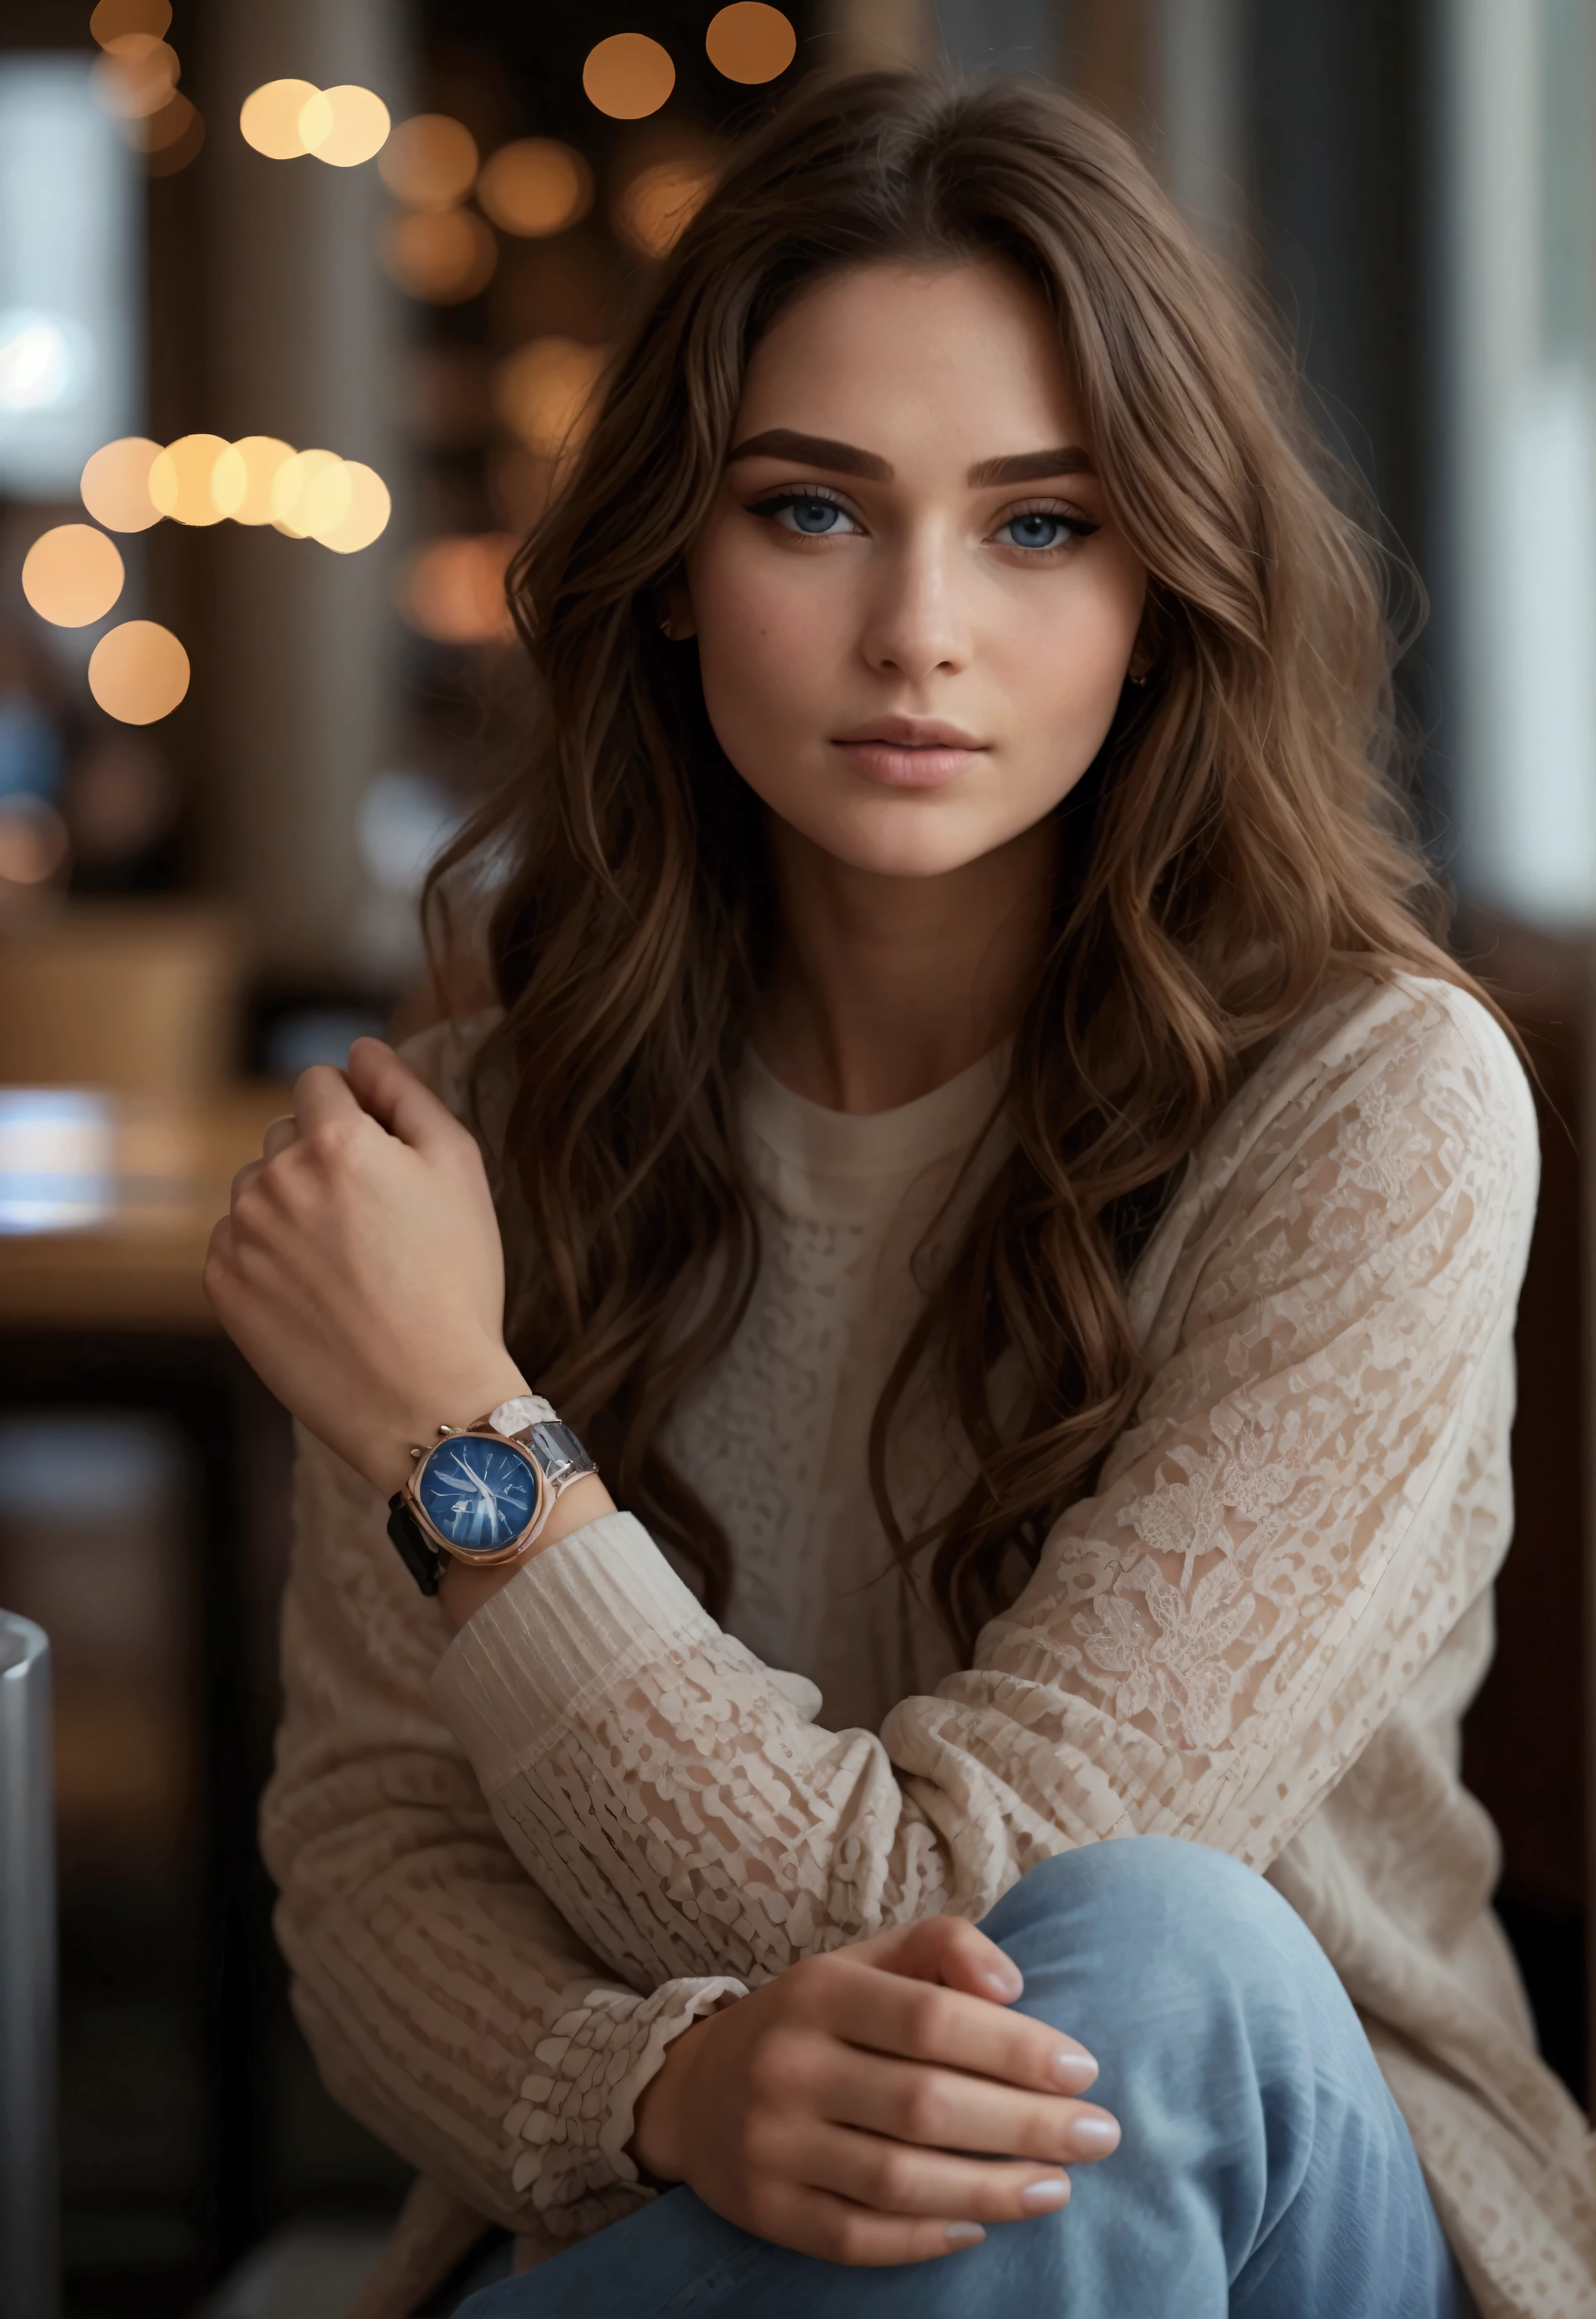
(1265, 2168)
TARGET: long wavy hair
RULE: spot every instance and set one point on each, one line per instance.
(1237, 840)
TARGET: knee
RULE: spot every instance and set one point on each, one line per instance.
(1157, 1874)
(1179, 1969)
(1152, 1904)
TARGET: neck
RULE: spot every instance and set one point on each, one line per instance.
(885, 987)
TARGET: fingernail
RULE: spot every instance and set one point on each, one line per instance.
(965, 2234)
(1093, 2137)
(1075, 2071)
(1005, 1982)
(1040, 2195)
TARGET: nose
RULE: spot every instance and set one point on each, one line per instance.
(917, 623)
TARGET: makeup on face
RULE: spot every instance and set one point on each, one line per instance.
(909, 753)
(914, 611)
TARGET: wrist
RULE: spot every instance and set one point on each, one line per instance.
(457, 1397)
(657, 2138)
(463, 1590)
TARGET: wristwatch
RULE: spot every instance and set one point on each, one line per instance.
(482, 1495)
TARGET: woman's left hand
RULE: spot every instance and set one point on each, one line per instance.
(360, 1269)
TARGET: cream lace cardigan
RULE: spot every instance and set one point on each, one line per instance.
(512, 1865)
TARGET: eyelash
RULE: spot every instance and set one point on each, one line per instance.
(1076, 527)
(774, 503)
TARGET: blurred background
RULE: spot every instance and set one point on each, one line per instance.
(299, 300)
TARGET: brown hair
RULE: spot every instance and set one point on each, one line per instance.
(1237, 840)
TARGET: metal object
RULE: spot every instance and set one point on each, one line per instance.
(30, 2270)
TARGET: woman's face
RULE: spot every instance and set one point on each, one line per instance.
(914, 616)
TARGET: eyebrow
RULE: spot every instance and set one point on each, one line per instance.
(814, 451)
(847, 459)
(1033, 467)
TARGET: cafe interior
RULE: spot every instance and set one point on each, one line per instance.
(301, 304)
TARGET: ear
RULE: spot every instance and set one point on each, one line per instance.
(673, 609)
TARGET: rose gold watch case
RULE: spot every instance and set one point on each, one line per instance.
(498, 1556)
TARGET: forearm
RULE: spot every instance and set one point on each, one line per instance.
(674, 1798)
(492, 2056)
(428, 1970)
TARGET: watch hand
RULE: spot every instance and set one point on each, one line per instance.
(491, 1512)
(467, 1475)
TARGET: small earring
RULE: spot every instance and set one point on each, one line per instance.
(666, 629)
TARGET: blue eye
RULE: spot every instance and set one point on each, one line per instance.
(806, 511)
(1041, 527)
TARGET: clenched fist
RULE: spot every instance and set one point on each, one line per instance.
(360, 1270)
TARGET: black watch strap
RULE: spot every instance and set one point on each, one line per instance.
(424, 1562)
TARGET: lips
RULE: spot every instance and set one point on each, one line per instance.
(910, 753)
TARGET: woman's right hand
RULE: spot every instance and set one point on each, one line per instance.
(836, 2108)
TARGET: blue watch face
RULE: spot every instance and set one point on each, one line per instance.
(479, 1494)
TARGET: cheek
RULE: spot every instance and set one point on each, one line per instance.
(766, 646)
(1063, 654)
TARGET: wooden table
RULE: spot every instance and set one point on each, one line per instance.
(140, 1268)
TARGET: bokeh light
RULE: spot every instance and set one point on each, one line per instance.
(135, 75)
(751, 42)
(628, 76)
(176, 120)
(33, 841)
(536, 186)
(166, 160)
(309, 493)
(112, 20)
(365, 517)
(655, 207)
(242, 477)
(269, 118)
(180, 479)
(443, 256)
(137, 671)
(545, 392)
(344, 126)
(115, 485)
(453, 589)
(72, 575)
(430, 162)
(520, 486)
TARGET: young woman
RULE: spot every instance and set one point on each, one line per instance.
(1028, 1223)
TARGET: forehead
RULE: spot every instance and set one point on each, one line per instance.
(962, 361)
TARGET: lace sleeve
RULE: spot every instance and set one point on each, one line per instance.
(1280, 1542)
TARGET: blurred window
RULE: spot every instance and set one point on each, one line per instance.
(1522, 191)
(71, 284)
(56, 1159)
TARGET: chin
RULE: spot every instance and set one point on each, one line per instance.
(921, 839)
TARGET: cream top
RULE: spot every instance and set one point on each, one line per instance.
(775, 1437)
(515, 1864)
